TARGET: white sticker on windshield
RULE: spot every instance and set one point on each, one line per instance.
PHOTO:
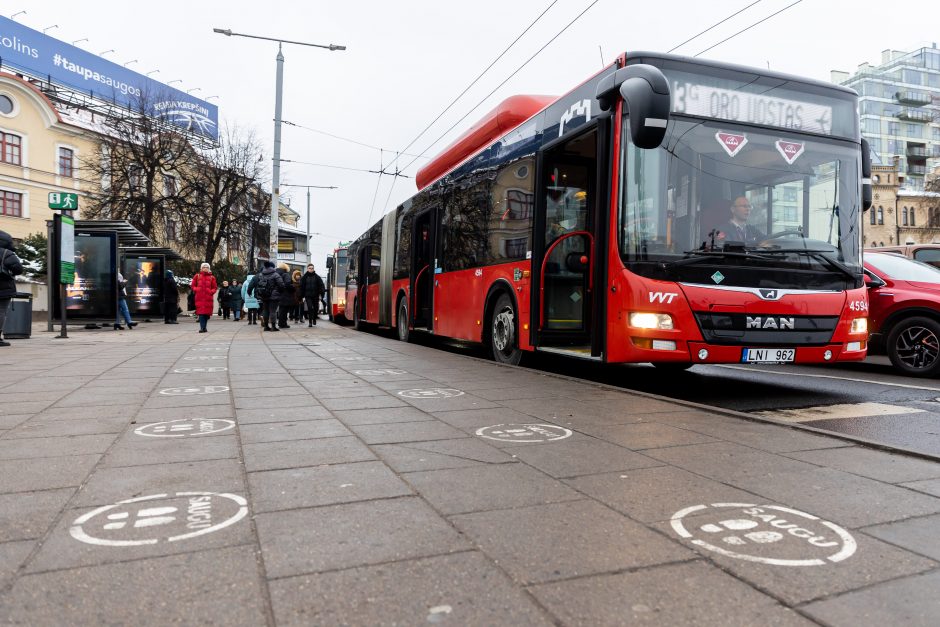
(731, 142)
(790, 150)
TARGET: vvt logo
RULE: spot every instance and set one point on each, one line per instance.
(662, 297)
(582, 107)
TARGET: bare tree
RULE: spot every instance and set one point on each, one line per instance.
(221, 206)
(139, 162)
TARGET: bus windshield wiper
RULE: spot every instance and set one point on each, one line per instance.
(818, 255)
(701, 256)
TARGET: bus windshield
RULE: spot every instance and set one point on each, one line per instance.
(734, 195)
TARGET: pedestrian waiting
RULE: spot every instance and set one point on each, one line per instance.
(311, 288)
(235, 300)
(10, 266)
(204, 287)
(268, 288)
(287, 296)
(251, 302)
(225, 300)
(171, 299)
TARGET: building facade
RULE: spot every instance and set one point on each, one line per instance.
(899, 106)
(40, 152)
(899, 215)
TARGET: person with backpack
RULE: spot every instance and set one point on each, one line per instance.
(10, 266)
(311, 287)
(251, 302)
(269, 288)
(287, 296)
(204, 287)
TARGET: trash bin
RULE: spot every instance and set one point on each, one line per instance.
(19, 322)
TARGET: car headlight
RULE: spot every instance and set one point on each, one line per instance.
(641, 320)
(859, 325)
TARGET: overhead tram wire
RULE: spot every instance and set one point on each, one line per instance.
(749, 27)
(339, 137)
(715, 25)
(472, 83)
(339, 167)
(506, 80)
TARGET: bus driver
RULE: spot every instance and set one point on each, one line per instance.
(737, 229)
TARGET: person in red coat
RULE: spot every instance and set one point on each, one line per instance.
(204, 287)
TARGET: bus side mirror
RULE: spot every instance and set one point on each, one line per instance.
(866, 175)
(645, 91)
(329, 262)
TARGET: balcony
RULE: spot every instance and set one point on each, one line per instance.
(913, 115)
(916, 150)
(917, 170)
(913, 98)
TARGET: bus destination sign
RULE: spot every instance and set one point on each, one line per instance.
(750, 108)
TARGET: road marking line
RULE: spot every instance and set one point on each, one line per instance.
(827, 376)
(835, 412)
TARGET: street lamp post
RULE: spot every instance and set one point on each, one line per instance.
(309, 253)
(279, 85)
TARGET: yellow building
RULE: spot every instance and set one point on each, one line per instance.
(40, 152)
(899, 215)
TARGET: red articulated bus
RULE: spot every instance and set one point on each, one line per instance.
(336, 265)
(668, 210)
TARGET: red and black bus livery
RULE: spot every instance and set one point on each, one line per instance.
(596, 224)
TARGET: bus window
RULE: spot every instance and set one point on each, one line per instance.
(375, 261)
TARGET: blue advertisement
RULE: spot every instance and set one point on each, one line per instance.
(45, 57)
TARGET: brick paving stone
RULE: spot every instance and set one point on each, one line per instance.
(37, 428)
(213, 587)
(27, 515)
(381, 416)
(463, 589)
(918, 535)
(9, 421)
(293, 430)
(296, 488)
(398, 432)
(23, 475)
(873, 464)
(573, 457)
(641, 436)
(282, 414)
(12, 556)
(931, 486)
(280, 455)
(137, 450)
(564, 540)
(28, 448)
(698, 594)
(356, 534)
(912, 601)
(500, 486)
(362, 402)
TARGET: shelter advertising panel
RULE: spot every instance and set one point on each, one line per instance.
(92, 293)
(144, 276)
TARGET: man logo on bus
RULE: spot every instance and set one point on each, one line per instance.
(731, 142)
(582, 107)
(790, 150)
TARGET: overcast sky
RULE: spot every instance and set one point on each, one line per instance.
(407, 60)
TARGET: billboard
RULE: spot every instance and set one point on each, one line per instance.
(144, 276)
(43, 56)
(92, 293)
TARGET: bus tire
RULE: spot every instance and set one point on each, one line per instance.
(503, 332)
(402, 323)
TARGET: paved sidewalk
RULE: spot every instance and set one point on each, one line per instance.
(324, 476)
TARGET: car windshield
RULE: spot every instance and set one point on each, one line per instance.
(903, 269)
(714, 187)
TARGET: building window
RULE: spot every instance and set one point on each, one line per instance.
(933, 217)
(6, 105)
(904, 216)
(913, 220)
(12, 204)
(133, 178)
(11, 148)
(519, 204)
(171, 230)
(169, 185)
(66, 162)
(881, 215)
(871, 216)
(516, 247)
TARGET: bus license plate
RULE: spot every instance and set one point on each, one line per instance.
(768, 355)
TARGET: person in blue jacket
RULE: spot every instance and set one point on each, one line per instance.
(251, 302)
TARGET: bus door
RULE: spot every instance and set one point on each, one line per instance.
(565, 250)
(367, 299)
(423, 264)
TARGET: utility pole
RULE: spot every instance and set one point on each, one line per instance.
(309, 253)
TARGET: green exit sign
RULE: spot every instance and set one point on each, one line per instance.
(63, 200)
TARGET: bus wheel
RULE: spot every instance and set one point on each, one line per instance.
(504, 342)
(402, 323)
(357, 323)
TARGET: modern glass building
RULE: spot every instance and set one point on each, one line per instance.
(899, 106)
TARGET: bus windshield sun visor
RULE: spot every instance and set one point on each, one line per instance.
(645, 91)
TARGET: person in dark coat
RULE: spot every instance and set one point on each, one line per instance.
(225, 300)
(311, 288)
(235, 300)
(287, 296)
(267, 287)
(204, 287)
(10, 266)
(171, 298)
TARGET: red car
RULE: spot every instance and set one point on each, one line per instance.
(904, 312)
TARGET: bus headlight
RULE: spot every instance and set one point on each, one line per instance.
(640, 320)
(859, 325)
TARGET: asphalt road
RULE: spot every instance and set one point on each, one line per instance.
(867, 400)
